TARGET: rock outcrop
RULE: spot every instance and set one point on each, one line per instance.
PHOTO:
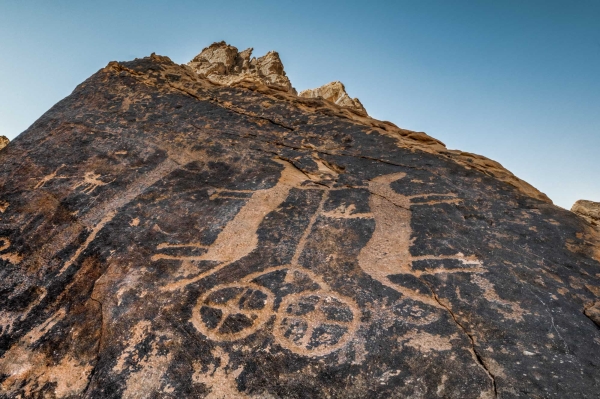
(162, 235)
(336, 93)
(587, 209)
(3, 141)
(223, 64)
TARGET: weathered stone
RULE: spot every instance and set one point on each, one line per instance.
(224, 65)
(589, 210)
(161, 236)
(593, 312)
(3, 141)
(336, 93)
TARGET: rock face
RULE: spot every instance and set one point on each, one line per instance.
(162, 236)
(223, 64)
(336, 93)
(3, 141)
(587, 209)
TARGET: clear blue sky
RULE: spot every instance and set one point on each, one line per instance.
(516, 81)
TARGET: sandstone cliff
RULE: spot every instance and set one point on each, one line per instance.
(3, 141)
(335, 92)
(587, 209)
(223, 64)
(166, 234)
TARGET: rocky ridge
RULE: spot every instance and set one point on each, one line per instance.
(589, 210)
(165, 234)
(335, 92)
(224, 64)
(3, 141)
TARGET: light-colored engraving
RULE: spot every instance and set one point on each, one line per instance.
(221, 379)
(95, 230)
(91, 182)
(3, 206)
(98, 217)
(489, 293)
(5, 243)
(388, 251)
(11, 257)
(9, 318)
(166, 245)
(234, 311)
(347, 212)
(314, 322)
(239, 237)
(26, 368)
(49, 177)
(425, 342)
(147, 377)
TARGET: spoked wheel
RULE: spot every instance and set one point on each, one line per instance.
(315, 323)
(234, 311)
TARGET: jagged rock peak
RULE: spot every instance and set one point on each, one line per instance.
(223, 64)
(3, 141)
(589, 210)
(336, 93)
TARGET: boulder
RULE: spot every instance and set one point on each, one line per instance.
(163, 235)
(334, 92)
(589, 210)
(3, 141)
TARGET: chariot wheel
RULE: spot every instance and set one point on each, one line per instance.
(315, 323)
(233, 311)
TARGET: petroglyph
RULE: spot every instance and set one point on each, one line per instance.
(221, 380)
(425, 342)
(489, 293)
(4, 243)
(239, 237)
(347, 212)
(312, 322)
(91, 182)
(95, 230)
(388, 251)
(11, 257)
(25, 368)
(233, 311)
(49, 177)
(3, 206)
(98, 217)
(315, 323)
(166, 245)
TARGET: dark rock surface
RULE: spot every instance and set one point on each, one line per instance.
(165, 237)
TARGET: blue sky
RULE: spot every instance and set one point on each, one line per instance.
(516, 81)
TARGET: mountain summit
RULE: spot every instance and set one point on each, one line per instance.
(202, 231)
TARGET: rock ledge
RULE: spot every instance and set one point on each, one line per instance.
(589, 210)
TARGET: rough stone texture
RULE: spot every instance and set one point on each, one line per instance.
(336, 93)
(587, 209)
(224, 65)
(3, 141)
(165, 237)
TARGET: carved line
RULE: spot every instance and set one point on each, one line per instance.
(108, 211)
